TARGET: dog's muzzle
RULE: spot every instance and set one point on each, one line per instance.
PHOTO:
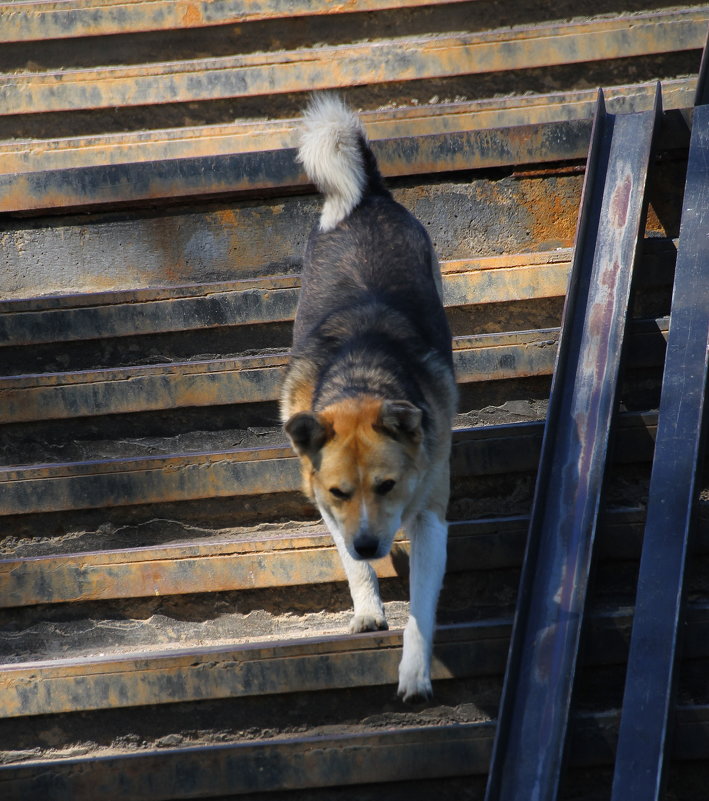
(366, 545)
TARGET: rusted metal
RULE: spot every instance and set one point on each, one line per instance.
(701, 94)
(284, 764)
(491, 450)
(71, 318)
(326, 663)
(461, 749)
(20, 155)
(648, 702)
(250, 379)
(89, 253)
(504, 279)
(404, 59)
(73, 685)
(32, 21)
(124, 482)
(258, 379)
(153, 311)
(550, 608)
(245, 172)
(275, 561)
(140, 389)
(461, 651)
(230, 306)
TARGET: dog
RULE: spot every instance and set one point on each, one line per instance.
(370, 391)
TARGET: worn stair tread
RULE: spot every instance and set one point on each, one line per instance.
(313, 654)
(248, 379)
(478, 451)
(150, 671)
(198, 307)
(122, 312)
(75, 640)
(382, 748)
(258, 557)
(264, 236)
(258, 379)
(176, 458)
(294, 760)
(98, 567)
(432, 56)
(278, 555)
(32, 21)
(67, 318)
(114, 564)
(28, 155)
(154, 659)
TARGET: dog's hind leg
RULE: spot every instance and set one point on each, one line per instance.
(364, 588)
(428, 533)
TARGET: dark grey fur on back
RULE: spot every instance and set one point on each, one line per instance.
(369, 316)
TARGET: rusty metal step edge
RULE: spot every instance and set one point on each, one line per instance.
(474, 281)
(461, 651)
(405, 754)
(425, 57)
(29, 155)
(51, 396)
(228, 175)
(144, 297)
(269, 561)
(69, 318)
(257, 379)
(229, 565)
(238, 768)
(124, 482)
(275, 561)
(37, 21)
(657, 254)
(463, 438)
(311, 665)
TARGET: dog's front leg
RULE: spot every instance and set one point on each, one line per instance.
(428, 534)
(364, 586)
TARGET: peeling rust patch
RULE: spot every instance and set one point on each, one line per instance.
(620, 201)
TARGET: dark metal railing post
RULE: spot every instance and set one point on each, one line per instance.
(532, 725)
(649, 691)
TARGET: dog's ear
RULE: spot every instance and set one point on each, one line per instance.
(307, 433)
(401, 418)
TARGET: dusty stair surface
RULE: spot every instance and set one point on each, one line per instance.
(174, 617)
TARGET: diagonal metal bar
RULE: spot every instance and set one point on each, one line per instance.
(701, 93)
(674, 490)
(531, 736)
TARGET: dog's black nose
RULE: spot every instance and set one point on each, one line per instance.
(366, 545)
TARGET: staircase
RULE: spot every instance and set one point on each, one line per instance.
(174, 615)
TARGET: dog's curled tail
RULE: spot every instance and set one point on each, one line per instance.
(336, 157)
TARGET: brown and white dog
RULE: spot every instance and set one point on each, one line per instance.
(370, 393)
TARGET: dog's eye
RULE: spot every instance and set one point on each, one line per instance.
(385, 487)
(339, 494)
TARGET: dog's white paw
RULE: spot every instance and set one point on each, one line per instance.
(414, 686)
(415, 667)
(361, 623)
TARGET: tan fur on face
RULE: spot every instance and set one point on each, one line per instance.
(356, 459)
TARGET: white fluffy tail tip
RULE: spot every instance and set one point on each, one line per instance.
(331, 155)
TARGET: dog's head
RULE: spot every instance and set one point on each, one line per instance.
(362, 463)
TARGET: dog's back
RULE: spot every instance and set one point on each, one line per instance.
(368, 250)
